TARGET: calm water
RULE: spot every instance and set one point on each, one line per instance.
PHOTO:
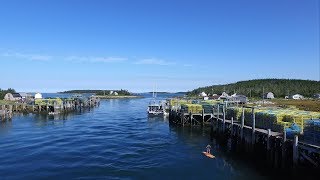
(114, 141)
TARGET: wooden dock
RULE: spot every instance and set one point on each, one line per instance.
(277, 150)
(68, 105)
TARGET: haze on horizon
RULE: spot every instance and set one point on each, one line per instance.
(50, 46)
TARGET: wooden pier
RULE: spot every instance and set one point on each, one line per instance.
(274, 147)
(68, 105)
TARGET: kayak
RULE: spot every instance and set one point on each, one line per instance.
(208, 155)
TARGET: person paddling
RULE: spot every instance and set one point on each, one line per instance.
(208, 149)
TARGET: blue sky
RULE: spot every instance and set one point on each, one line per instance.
(56, 45)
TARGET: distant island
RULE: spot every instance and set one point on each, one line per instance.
(257, 87)
(105, 94)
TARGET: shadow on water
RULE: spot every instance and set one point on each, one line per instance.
(197, 138)
(234, 156)
(42, 119)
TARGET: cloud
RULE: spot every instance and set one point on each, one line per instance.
(32, 57)
(187, 65)
(95, 59)
(154, 61)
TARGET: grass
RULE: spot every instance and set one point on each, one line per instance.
(307, 104)
(5, 102)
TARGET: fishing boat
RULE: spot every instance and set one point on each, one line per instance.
(154, 108)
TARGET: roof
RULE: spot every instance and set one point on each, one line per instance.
(16, 95)
(23, 94)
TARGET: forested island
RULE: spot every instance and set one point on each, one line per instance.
(105, 94)
(257, 87)
(120, 92)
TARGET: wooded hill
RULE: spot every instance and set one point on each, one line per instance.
(256, 88)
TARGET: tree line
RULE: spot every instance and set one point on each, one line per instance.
(100, 92)
(3, 92)
(257, 87)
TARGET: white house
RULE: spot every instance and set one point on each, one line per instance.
(203, 94)
(115, 93)
(38, 96)
(224, 95)
(12, 97)
(269, 95)
(297, 96)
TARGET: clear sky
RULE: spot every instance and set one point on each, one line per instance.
(56, 45)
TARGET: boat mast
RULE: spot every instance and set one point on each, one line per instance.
(153, 91)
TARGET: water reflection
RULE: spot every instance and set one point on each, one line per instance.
(5, 125)
(158, 118)
(40, 119)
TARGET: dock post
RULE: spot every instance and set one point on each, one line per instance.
(218, 112)
(283, 147)
(268, 139)
(269, 158)
(211, 120)
(224, 117)
(182, 118)
(231, 126)
(242, 124)
(190, 118)
(202, 117)
(295, 151)
(10, 112)
(253, 126)
(218, 116)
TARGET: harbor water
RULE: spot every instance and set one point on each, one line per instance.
(116, 140)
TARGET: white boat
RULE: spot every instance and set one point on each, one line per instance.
(154, 108)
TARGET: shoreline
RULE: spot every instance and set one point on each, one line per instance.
(117, 97)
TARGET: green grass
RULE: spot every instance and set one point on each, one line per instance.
(5, 102)
(307, 104)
